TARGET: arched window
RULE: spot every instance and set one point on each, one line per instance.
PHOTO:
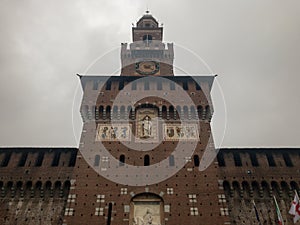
(185, 111)
(208, 113)
(122, 112)
(97, 160)
(196, 160)
(164, 112)
(122, 160)
(200, 111)
(100, 112)
(146, 160)
(147, 38)
(171, 112)
(171, 160)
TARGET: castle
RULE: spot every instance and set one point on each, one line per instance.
(146, 155)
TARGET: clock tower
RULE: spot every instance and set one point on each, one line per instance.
(147, 55)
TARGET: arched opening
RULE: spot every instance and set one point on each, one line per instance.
(122, 160)
(9, 186)
(226, 187)
(266, 189)
(100, 111)
(196, 161)
(66, 188)
(28, 187)
(171, 112)
(276, 189)
(146, 208)
(256, 189)
(236, 189)
(178, 109)
(94, 112)
(246, 190)
(207, 112)
(171, 160)
(115, 112)
(147, 38)
(294, 186)
(146, 160)
(285, 190)
(122, 112)
(200, 111)
(57, 188)
(164, 112)
(19, 188)
(185, 112)
(193, 112)
(97, 160)
(108, 111)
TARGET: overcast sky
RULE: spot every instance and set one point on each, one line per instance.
(253, 46)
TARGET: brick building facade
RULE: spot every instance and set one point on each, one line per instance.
(146, 155)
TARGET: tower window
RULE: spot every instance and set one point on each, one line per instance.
(172, 85)
(159, 85)
(121, 85)
(133, 85)
(147, 38)
(146, 160)
(146, 85)
(108, 85)
(185, 85)
(95, 85)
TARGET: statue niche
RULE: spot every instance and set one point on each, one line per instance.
(146, 122)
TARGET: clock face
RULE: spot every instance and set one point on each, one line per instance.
(147, 67)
